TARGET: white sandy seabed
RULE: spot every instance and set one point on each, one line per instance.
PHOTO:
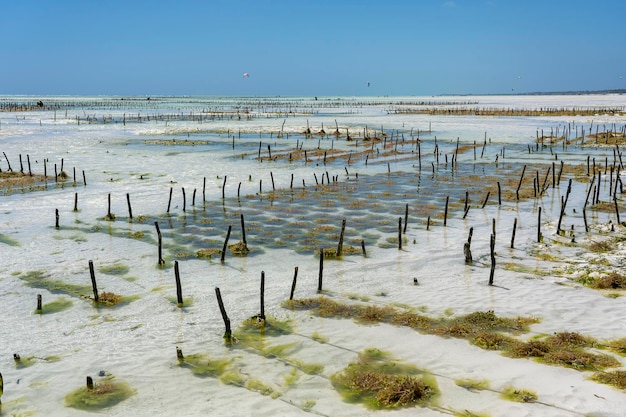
(136, 342)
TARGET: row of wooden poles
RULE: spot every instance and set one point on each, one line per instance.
(57, 172)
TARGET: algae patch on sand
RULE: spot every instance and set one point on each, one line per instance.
(380, 382)
(105, 393)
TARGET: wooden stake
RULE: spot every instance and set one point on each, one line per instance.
(262, 315)
(445, 214)
(75, 201)
(223, 187)
(539, 226)
(130, 209)
(319, 280)
(179, 291)
(513, 235)
(340, 245)
(520, 182)
(227, 334)
(406, 217)
(161, 261)
(89, 383)
(93, 281)
(39, 310)
(400, 233)
(243, 231)
(230, 227)
(293, 283)
(492, 245)
(169, 202)
(184, 200)
(56, 211)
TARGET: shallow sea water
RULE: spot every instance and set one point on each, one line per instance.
(287, 222)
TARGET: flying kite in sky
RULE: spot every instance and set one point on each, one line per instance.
(246, 75)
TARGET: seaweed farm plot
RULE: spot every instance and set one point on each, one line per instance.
(292, 256)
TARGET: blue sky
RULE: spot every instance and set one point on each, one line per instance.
(306, 47)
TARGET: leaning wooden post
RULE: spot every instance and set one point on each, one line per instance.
(230, 227)
(84, 178)
(227, 334)
(184, 200)
(499, 194)
(56, 224)
(616, 209)
(161, 261)
(492, 245)
(319, 280)
(569, 190)
(223, 188)
(262, 315)
(130, 209)
(179, 290)
(340, 245)
(513, 235)
(243, 231)
(89, 383)
(363, 247)
(169, 201)
(38, 311)
(406, 217)
(293, 283)
(93, 281)
(445, 214)
(75, 201)
(520, 182)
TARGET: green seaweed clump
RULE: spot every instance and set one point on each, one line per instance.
(615, 378)
(519, 395)
(115, 269)
(106, 393)
(381, 383)
(55, 306)
(201, 365)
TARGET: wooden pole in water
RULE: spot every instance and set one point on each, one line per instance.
(243, 231)
(169, 202)
(223, 187)
(486, 199)
(569, 190)
(406, 217)
(75, 201)
(227, 334)
(56, 224)
(445, 214)
(319, 280)
(340, 244)
(539, 226)
(492, 245)
(93, 281)
(262, 316)
(30, 173)
(513, 235)
(499, 194)
(616, 210)
(89, 383)
(230, 227)
(179, 291)
(38, 311)
(204, 189)
(84, 179)
(293, 283)
(400, 233)
(160, 240)
(130, 209)
(520, 182)
(184, 200)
